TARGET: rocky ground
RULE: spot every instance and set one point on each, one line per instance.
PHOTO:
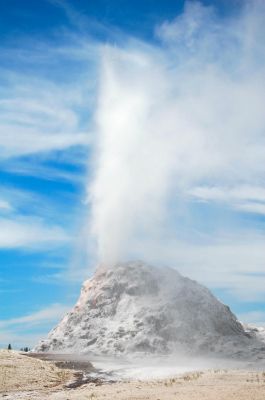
(23, 377)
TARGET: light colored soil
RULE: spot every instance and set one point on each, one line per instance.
(210, 385)
(19, 372)
(31, 379)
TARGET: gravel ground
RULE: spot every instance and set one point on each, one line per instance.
(27, 378)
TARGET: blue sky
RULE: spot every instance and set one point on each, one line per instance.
(69, 69)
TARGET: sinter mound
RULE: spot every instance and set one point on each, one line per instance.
(133, 307)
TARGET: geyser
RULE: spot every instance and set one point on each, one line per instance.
(136, 308)
(178, 150)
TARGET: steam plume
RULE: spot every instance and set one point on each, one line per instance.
(185, 113)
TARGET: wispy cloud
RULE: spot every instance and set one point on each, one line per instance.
(44, 133)
(239, 193)
(47, 93)
(30, 233)
(14, 199)
(47, 315)
(29, 329)
(34, 121)
(255, 208)
(248, 198)
(5, 205)
(85, 24)
(76, 18)
(32, 220)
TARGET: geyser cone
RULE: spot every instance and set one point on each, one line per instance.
(133, 307)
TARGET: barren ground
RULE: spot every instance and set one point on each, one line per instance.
(27, 378)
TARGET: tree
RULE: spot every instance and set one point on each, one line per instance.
(9, 347)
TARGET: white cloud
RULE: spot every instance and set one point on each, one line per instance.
(30, 232)
(243, 198)
(12, 199)
(18, 141)
(47, 315)
(42, 121)
(5, 205)
(197, 24)
(256, 208)
(20, 331)
(242, 192)
(35, 168)
(40, 114)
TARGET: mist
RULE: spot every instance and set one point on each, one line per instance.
(179, 123)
